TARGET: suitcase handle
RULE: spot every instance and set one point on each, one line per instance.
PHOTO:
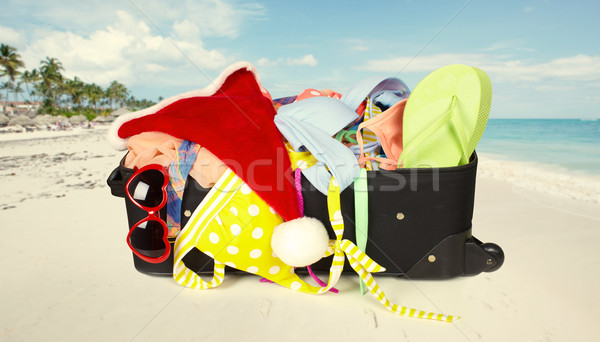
(115, 182)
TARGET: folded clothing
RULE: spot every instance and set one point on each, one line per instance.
(161, 148)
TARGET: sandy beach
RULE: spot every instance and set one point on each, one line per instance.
(68, 274)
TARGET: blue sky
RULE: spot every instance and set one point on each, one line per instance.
(543, 57)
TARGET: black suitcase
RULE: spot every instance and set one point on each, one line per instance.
(419, 223)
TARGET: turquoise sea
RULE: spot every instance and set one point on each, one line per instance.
(568, 144)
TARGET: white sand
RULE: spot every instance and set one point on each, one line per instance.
(548, 179)
(68, 274)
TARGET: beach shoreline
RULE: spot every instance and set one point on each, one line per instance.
(544, 178)
(47, 133)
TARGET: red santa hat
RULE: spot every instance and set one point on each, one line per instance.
(233, 119)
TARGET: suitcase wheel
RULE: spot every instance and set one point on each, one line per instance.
(495, 256)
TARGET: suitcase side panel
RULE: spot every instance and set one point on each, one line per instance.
(410, 212)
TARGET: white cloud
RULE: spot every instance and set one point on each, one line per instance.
(221, 18)
(265, 62)
(578, 68)
(575, 68)
(421, 63)
(509, 46)
(149, 44)
(528, 9)
(561, 87)
(308, 60)
(360, 48)
(126, 50)
(11, 37)
(218, 18)
(186, 30)
(357, 44)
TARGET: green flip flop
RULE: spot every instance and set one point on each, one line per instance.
(445, 117)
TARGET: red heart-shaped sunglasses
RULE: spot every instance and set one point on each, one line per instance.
(146, 188)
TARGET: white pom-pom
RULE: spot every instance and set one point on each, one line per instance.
(300, 242)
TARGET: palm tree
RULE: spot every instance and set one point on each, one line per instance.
(130, 102)
(75, 89)
(52, 79)
(17, 90)
(10, 62)
(94, 94)
(26, 78)
(117, 92)
(30, 77)
(6, 86)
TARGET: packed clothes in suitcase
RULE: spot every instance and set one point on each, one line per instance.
(376, 180)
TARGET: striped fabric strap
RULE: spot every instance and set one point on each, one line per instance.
(220, 194)
(361, 215)
(371, 111)
(363, 264)
(357, 260)
(178, 173)
(337, 223)
(189, 278)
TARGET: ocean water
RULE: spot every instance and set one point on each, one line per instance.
(571, 145)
